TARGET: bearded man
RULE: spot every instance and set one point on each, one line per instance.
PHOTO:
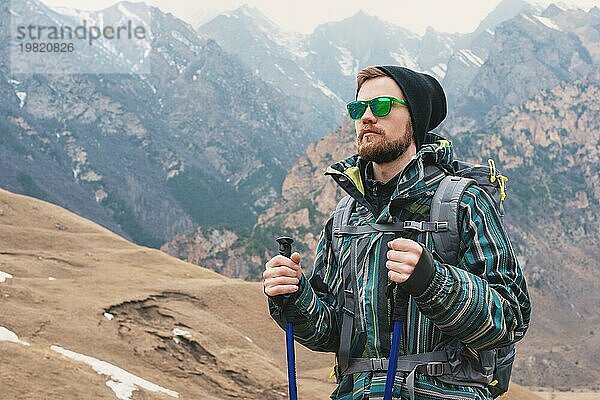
(478, 303)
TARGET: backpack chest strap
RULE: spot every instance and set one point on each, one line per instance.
(406, 226)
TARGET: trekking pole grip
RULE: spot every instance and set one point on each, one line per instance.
(285, 246)
(285, 249)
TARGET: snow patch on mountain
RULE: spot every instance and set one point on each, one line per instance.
(440, 70)
(7, 335)
(22, 97)
(128, 13)
(405, 59)
(120, 381)
(469, 58)
(347, 63)
(323, 88)
(4, 276)
(177, 35)
(547, 22)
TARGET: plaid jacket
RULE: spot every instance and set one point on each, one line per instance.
(483, 301)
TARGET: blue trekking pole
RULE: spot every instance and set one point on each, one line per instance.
(285, 249)
(400, 310)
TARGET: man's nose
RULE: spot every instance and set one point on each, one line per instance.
(368, 117)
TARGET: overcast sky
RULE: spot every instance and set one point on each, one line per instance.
(303, 16)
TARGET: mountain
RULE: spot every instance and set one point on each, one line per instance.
(505, 10)
(86, 313)
(474, 48)
(139, 152)
(330, 57)
(193, 132)
(530, 53)
(277, 57)
(340, 47)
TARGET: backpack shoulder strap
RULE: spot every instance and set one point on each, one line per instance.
(341, 216)
(444, 207)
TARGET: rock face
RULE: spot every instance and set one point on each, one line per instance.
(140, 153)
(530, 52)
(308, 197)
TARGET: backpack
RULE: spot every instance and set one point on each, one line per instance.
(450, 362)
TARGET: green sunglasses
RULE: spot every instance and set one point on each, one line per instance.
(380, 106)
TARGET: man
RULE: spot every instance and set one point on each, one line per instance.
(480, 302)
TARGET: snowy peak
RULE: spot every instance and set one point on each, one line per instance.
(504, 11)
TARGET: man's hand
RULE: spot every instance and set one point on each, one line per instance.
(282, 275)
(403, 256)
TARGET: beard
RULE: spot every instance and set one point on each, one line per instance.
(382, 150)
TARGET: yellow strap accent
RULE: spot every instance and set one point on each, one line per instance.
(492, 165)
(502, 180)
(493, 383)
(444, 143)
(332, 374)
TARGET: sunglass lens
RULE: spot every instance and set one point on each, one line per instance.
(356, 109)
(381, 106)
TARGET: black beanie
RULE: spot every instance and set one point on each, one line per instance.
(425, 97)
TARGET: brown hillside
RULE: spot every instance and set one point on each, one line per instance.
(67, 272)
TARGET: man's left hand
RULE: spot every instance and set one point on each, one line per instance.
(402, 257)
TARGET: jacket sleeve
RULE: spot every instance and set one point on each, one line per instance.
(312, 309)
(483, 301)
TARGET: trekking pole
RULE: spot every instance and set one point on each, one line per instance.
(400, 310)
(285, 249)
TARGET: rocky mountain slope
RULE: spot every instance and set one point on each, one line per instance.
(86, 314)
(530, 53)
(69, 284)
(139, 152)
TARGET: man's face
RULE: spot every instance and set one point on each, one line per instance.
(383, 139)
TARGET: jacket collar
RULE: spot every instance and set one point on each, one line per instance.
(412, 183)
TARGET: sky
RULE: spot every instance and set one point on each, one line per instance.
(303, 16)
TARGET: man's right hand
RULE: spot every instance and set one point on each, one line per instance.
(282, 275)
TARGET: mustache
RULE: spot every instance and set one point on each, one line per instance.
(368, 129)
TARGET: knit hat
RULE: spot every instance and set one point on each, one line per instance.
(425, 97)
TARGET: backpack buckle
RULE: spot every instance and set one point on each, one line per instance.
(435, 369)
(377, 364)
(426, 226)
(440, 226)
(413, 226)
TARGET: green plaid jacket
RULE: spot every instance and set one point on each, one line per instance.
(483, 301)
